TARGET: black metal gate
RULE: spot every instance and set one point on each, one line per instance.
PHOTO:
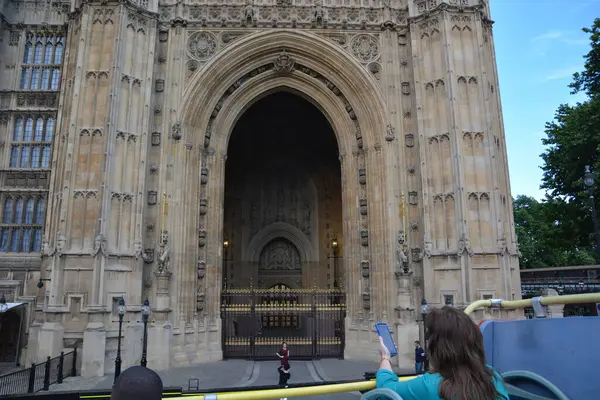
(257, 321)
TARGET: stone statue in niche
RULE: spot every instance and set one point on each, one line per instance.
(163, 261)
(318, 13)
(280, 254)
(401, 257)
(250, 12)
(99, 245)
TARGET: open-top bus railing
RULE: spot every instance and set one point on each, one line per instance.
(535, 302)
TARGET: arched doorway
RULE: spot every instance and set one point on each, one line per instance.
(283, 211)
(215, 99)
(283, 172)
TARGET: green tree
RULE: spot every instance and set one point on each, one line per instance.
(544, 230)
(573, 141)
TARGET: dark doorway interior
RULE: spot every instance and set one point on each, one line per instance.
(282, 167)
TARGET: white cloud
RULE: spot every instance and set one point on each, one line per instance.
(549, 36)
(562, 73)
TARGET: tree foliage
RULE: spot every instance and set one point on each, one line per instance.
(559, 230)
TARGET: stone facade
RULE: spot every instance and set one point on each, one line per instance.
(138, 99)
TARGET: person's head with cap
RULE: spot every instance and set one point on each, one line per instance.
(137, 382)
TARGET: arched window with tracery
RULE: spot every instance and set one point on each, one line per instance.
(22, 223)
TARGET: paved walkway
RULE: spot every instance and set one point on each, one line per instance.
(241, 373)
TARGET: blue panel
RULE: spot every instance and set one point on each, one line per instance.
(566, 351)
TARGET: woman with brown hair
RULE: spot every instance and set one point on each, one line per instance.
(457, 363)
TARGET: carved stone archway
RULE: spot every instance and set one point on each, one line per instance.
(217, 96)
(306, 249)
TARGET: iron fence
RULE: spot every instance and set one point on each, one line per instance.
(40, 376)
(257, 322)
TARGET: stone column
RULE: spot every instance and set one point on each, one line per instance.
(131, 350)
(94, 349)
(160, 337)
(50, 340)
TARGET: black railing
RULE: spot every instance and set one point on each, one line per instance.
(257, 321)
(39, 376)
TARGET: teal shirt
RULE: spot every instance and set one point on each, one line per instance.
(424, 387)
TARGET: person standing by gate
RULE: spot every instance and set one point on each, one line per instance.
(283, 354)
(419, 358)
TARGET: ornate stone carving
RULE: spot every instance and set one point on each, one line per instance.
(283, 63)
(409, 140)
(163, 261)
(362, 176)
(152, 197)
(203, 206)
(363, 206)
(364, 237)
(176, 130)
(365, 47)
(366, 301)
(200, 300)
(401, 257)
(202, 45)
(365, 268)
(417, 254)
(413, 198)
(159, 85)
(148, 255)
(155, 139)
(201, 267)
(390, 133)
(203, 175)
(280, 254)
(201, 238)
(405, 88)
(250, 13)
(99, 246)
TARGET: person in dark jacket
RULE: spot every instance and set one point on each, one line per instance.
(419, 358)
(284, 374)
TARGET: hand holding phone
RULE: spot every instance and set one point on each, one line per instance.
(384, 333)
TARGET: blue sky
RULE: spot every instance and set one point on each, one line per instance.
(539, 45)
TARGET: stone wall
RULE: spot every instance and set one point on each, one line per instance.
(150, 92)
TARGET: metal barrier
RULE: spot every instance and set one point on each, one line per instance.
(257, 321)
(545, 301)
(39, 376)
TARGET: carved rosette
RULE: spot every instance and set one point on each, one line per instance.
(365, 48)
(202, 45)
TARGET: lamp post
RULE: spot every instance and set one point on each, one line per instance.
(334, 247)
(145, 314)
(424, 312)
(225, 260)
(118, 359)
(588, 181)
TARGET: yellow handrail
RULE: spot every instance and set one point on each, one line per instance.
(293, 392)
(546, 301)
